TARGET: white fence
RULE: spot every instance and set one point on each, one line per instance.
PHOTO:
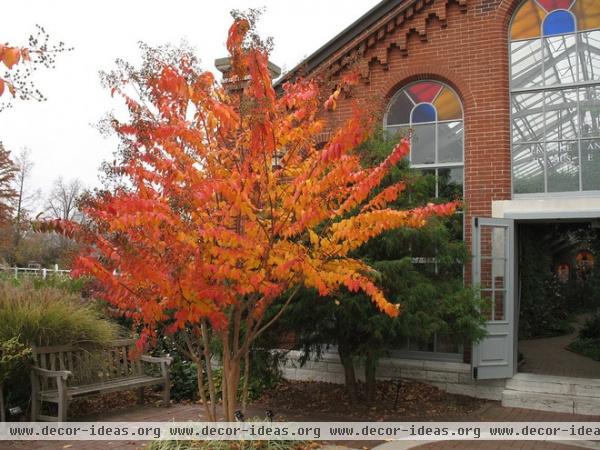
(18, 272)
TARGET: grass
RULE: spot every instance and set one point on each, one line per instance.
(51, 316)
(589, 347)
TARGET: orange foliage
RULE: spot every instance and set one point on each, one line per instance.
(210, 223)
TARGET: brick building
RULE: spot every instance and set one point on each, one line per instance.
(503, 99)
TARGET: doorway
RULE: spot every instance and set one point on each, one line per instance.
(559, 298)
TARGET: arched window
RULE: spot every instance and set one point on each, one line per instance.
(434, 113)
(555, 96)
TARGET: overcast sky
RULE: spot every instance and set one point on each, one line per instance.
(60, 132)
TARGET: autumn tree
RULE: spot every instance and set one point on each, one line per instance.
(208, 232)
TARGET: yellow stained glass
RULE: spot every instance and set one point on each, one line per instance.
(587, 13)
(447, 105)
(528, 21)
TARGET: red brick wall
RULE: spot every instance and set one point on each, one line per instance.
(467, 49)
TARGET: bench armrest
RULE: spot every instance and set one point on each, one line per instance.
(44, 373)
(157, 359)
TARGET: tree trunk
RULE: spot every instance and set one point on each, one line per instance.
(349, 374)
(370, 375)
(230, 382)
(246, 380)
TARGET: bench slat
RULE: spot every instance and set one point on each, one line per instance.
(111, 386)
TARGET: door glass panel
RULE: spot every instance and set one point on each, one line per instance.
(499, 305)
(563, 166)
(487, 297)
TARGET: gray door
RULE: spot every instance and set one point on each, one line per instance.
(494, 275)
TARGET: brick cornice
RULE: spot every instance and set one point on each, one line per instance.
(405, 18)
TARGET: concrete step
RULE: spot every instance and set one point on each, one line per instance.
(551, 393)
(548, 384)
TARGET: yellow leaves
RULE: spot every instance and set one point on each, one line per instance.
(314, 239)
(331, 102)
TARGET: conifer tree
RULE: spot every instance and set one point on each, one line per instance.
(422, 269)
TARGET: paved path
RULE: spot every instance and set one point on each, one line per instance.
(491, 412)
(549, 356)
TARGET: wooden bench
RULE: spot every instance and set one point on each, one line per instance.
(62, 373)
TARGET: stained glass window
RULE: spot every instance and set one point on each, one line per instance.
(433, 112)
(555, 96)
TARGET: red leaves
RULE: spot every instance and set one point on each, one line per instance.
(236, 35)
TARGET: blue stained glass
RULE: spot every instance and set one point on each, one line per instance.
(559, 22)
(423, 112)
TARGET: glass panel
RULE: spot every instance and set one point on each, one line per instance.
(444, 343)
(450, 183)
(418, 345)
(527, 117)
(561, 115)
(499, 305)
(526, 64)
(486, 297)
(551, 5)
(560, 60)
(423, 113)
(589, 56)
(450, 142)
(430, 181)
(590, 164)
(559, 22)
(399, 112)
(498, 247)
(527, 21)
(563, 166)
(397, 131)
(423, 144)
(528, 168)
(587, 13)
(424, 91)
(448, 105)
(589, 111)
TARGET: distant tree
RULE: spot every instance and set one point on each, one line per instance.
(62, 202)
(7, 191)
(23, 203)
(21, 62)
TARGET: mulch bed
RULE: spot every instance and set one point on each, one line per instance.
(415, 401)
(311, 400)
